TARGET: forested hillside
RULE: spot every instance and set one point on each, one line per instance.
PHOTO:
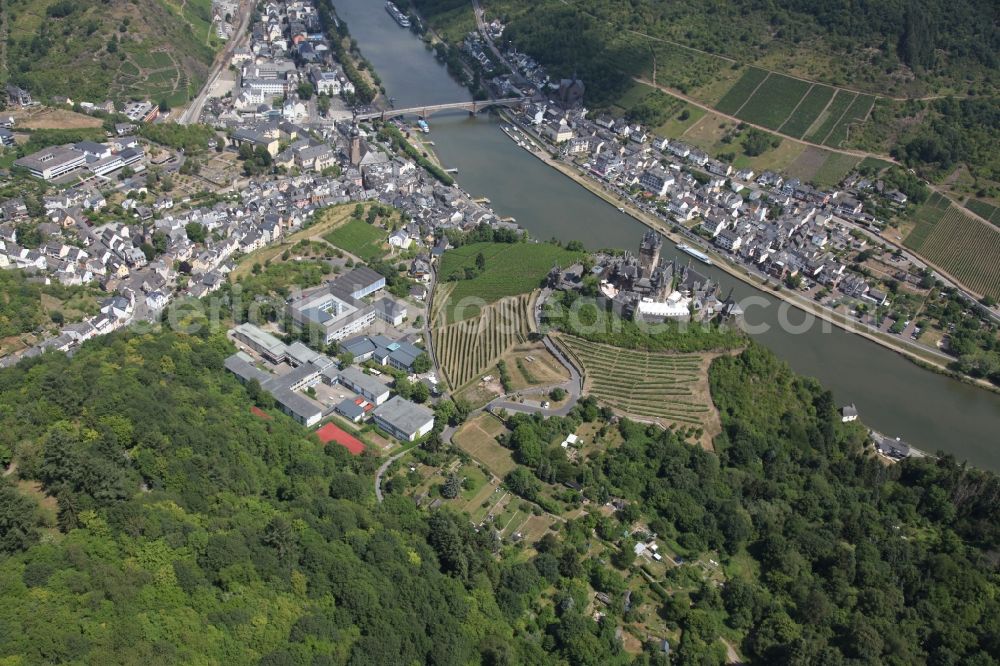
(93, 50)
(885, 47)
(169, 524)
(189, 530)
(829, 555)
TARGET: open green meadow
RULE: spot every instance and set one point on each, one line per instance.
(478, 438)
(510, 269)
(834, 169)
(874, 163)
(359, 238)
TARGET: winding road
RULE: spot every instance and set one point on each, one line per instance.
(192, 113)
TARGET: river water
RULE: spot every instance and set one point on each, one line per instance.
(928, 410)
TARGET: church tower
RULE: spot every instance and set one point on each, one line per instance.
(355, 145)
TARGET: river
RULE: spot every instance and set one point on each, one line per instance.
(893, 395)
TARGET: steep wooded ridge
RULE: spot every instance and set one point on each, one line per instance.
(902, 48)
(94, 50)
(157, 519)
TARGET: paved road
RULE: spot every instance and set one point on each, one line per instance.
(383, 469)
(193, 112)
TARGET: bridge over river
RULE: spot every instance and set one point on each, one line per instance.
(473, 107)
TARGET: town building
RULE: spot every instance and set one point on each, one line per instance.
(403, 419)
(364, 385)
(53, 162)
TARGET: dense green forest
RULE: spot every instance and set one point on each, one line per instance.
(188, 529)
(952, 132)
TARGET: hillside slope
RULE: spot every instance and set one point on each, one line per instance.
(99, 49)
(897, 49)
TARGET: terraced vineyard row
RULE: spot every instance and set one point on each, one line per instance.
(813, 111)
(644, 384)
(964, 247)
(467, 349)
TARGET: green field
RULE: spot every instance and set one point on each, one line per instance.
(962, 246)
(511, 269)
(774, 100)
(807, 112)
(834, 169)
(478, 438)
(828, 120)
(359, 238)
(856, 113)
(741, 90)
(874, 163)
(926, 217)
(646, 384)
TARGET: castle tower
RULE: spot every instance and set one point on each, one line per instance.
(649, 252)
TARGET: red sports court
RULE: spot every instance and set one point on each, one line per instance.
(331, 433)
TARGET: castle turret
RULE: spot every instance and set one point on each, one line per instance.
(649, 252)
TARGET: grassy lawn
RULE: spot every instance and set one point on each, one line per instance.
(708, 132)
(359, 238)
(775, 159)
(674, 127)
(473, 481)
(478, 439)
(510, 269)
(874, 163)
(531, 364)
(836, 166)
